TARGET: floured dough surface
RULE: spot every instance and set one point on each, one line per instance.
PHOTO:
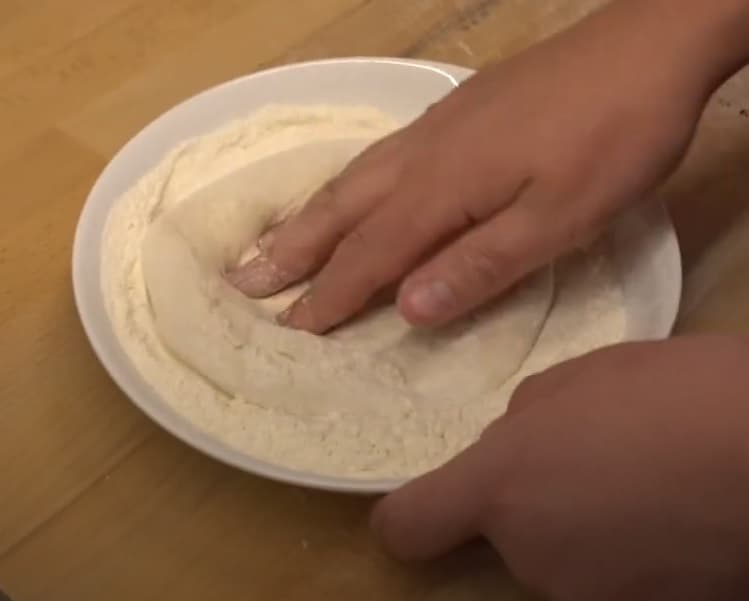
(378, 365)
(375, 400)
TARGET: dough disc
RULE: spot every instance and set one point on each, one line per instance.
(377, 365)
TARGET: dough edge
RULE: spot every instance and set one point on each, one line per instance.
(343, 448)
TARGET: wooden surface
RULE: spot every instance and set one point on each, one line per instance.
(95, 501)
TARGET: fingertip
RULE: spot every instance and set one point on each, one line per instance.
(308, 314)
(392, 529)
(426, 302)
(259, 278)
(301, 316)
(436, 512)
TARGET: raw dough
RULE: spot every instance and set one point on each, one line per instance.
(587, 313)
(378, 365)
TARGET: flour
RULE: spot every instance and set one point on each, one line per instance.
(331, 442)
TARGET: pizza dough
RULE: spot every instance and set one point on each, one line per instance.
(252, 411)
(379, 365)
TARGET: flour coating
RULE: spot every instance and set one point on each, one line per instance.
(334, 441)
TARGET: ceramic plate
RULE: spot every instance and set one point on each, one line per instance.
(644, 247)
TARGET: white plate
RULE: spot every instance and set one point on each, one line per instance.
(644, 244)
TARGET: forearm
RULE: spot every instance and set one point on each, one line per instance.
(693, 44)
(712, 34)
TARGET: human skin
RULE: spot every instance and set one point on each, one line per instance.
(530, 158)
(619, 476)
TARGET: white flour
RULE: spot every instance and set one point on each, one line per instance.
(587, 313)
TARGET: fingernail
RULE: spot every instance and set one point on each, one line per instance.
(294, 315)
(430, 300)
(260, 277)
(265, 241)
(282, 318)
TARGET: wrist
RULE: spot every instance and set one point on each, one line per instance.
(702, 42)
(713, 35)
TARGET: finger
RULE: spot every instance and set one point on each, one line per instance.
(489, 259)
(548, 384)
(294, 249)
(441, 510)
(476, 267)
(544, 385)
(384, 247)
(372, 256)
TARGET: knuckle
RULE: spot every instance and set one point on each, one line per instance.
(329, 206)
(357, 241)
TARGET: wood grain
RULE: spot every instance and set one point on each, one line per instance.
(98, 503)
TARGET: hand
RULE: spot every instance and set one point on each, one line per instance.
(526, 160)
(619, 476)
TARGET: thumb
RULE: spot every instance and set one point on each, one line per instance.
(443, 509)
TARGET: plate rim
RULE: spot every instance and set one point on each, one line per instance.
(157, 409)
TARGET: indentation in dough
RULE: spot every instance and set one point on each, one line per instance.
(377, 364)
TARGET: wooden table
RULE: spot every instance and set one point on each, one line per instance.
(95, 501)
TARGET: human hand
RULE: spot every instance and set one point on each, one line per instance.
(617, 476)
(529, 158)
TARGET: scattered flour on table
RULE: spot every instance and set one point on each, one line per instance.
(587, 313)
